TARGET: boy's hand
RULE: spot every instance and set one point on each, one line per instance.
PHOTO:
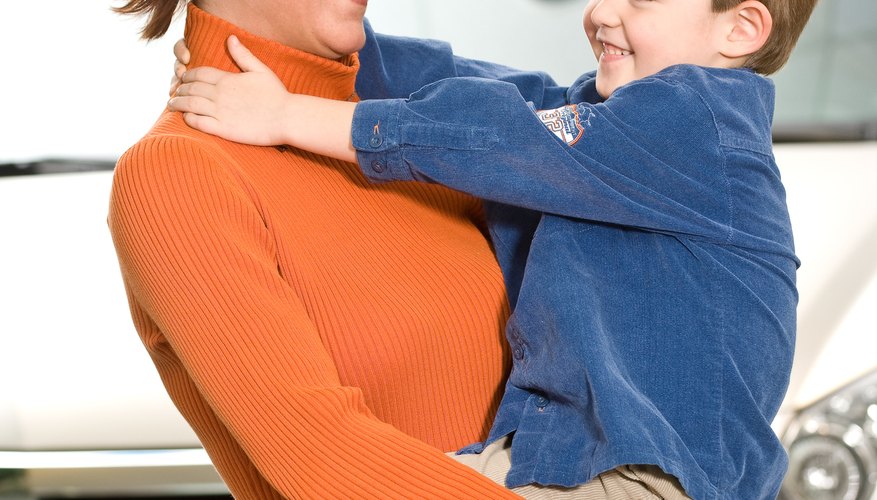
(245, 107)
(181, 52)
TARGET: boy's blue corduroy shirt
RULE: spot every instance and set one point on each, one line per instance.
(646, 247)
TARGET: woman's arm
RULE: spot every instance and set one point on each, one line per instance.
(236, 347)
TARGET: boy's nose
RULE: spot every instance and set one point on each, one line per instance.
(601, 13)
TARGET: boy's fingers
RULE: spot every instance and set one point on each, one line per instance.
(181, 52)
(179, 69)
(177, 79)
(243, 57)
(204, 74)
(199, 89)
(192, 104)
(202, 123)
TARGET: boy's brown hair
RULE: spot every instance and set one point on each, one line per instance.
(160, 14)
(789, 18)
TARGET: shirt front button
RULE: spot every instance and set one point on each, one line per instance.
(541, 402)
(375, 141)
(518, 353)
(378, 167)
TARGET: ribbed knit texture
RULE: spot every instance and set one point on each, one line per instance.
(325, 338)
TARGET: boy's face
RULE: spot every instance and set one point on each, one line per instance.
(633, 39)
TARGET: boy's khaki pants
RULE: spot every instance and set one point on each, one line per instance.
(629, 482)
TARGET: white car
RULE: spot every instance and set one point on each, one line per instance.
(83, 413)
(828, 421)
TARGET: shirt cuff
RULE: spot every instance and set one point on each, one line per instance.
(375, 134)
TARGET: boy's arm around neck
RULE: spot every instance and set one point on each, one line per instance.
(321, 126)
(633, 160)
(396, 67)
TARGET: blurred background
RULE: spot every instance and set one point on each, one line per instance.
(82, 412)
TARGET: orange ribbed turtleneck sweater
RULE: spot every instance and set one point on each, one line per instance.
(325, 338)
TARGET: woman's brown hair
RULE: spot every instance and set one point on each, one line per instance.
(159, 14)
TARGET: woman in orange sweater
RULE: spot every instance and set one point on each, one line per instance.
(325, 337)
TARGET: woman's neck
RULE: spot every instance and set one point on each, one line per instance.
(303, 73)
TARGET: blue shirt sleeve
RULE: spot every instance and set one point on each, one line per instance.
(648, 157)
(396, 67)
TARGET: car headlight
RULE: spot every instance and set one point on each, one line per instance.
(832, 446)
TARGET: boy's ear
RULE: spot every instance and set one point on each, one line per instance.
(749, 24)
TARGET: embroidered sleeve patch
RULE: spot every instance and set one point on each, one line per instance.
(564, 122)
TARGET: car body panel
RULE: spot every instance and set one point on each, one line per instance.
(73, 365)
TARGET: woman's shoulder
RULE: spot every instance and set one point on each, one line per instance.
(171, 147)
(170, 139)
(174, 158)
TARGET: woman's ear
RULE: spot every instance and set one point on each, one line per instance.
(750, 25)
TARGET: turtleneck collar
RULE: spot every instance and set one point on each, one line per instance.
(303, 73)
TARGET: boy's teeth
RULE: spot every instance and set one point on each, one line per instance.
(614, 51)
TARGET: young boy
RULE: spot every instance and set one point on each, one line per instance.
(638, 216)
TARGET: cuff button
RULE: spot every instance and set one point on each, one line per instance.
(378, 167)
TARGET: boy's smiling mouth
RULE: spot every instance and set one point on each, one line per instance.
(613, 51)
